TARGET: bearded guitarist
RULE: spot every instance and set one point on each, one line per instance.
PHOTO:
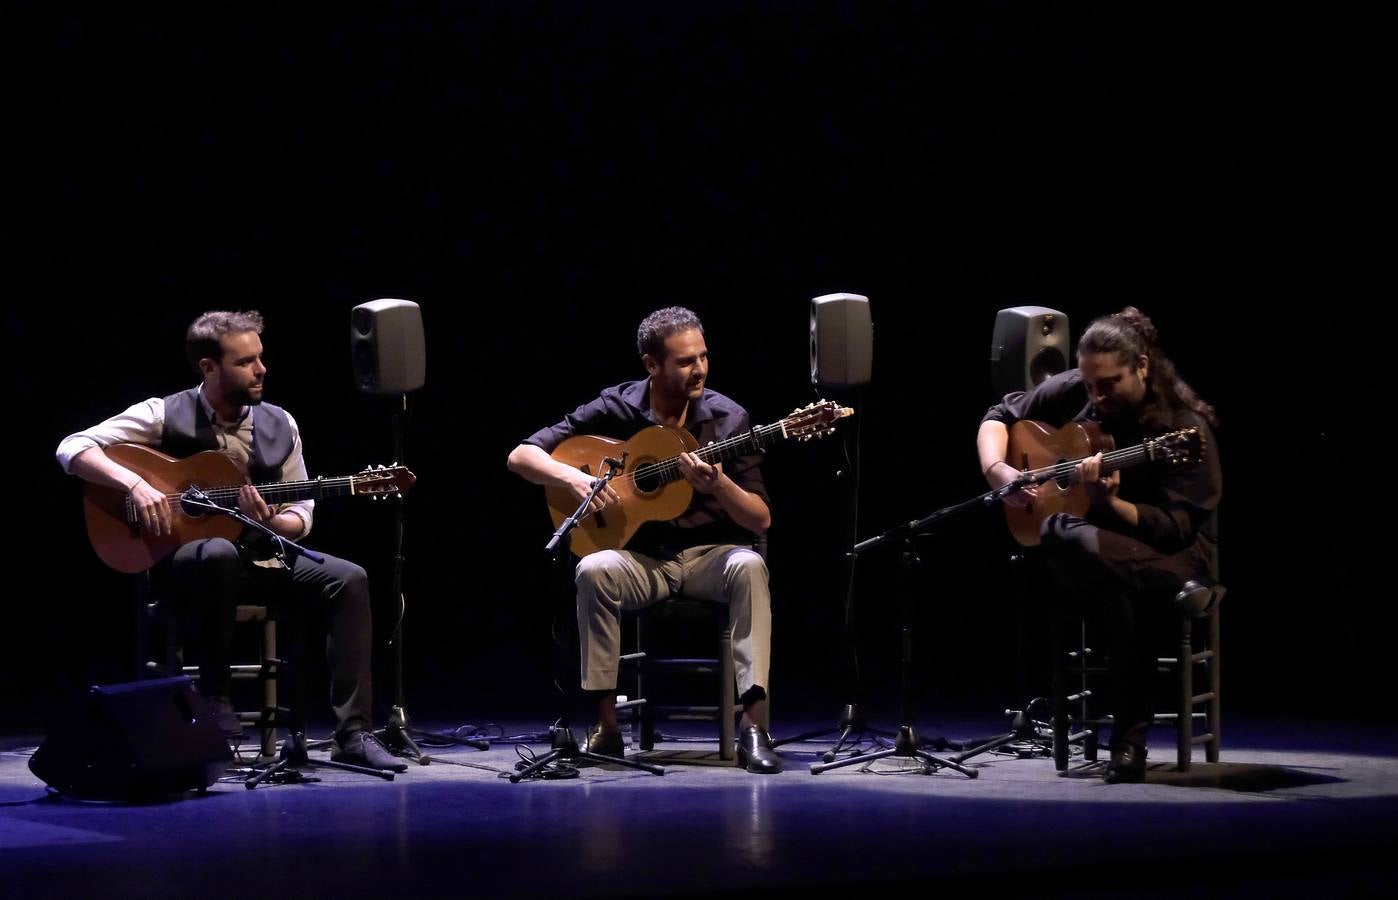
(707, 551)
(1147, 532)
(225, 413)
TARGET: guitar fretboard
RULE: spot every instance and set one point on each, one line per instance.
(759, 438)
(276, 492)
(1111, 461)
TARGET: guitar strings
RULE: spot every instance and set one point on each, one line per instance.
(667, 468)
(1134, 454)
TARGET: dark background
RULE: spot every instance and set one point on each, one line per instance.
(539, 176)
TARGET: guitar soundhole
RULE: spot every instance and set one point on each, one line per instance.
(647, 476)
(1065, 481)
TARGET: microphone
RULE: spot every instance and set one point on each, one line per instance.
(195, 502)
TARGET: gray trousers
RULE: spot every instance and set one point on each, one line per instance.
(611, 581)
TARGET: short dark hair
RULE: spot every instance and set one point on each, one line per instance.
(659, 325)
(201, 341)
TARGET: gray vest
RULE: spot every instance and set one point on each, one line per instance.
(188, 430)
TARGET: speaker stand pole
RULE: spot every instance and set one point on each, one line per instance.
(396, 733)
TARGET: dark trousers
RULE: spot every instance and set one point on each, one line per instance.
(1130, 587)
(208, 579)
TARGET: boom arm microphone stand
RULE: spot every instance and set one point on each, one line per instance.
(563, 745)
(907, 744)
(196, 502)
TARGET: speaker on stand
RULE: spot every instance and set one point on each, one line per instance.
(388, 355)
(842, 362)
(1029, 344)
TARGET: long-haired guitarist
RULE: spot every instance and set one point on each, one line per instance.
(1149, 531)
(225, 413)
(707, 551)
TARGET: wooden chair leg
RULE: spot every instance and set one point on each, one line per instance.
(727, 706)
(1215, 709)
(1184, 711)
(1060, 697)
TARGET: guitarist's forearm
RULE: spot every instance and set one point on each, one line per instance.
(744, 507)
(95, 466)
(992, 443)
(534, 465)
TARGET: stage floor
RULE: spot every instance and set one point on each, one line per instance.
(1292, 809)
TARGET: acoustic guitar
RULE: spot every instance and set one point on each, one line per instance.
(122, 543)
(649, 482)
(1039, 450)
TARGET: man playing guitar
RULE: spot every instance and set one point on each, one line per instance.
(1147, 532)
(706, 552)
(225, 413)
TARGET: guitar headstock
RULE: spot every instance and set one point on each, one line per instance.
(382, 481)
(814, 420)
(1176, 448)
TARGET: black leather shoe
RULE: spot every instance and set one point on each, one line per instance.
(1128, 761)
(605, 743)
(1127, 766)
(755, 751)
(361, 748)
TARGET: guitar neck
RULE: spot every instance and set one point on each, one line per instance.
(1112, 461)
(274, 493)
(759, 438)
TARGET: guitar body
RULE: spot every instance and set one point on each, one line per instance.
(640, 502)
(125, 545)
(1034, 445)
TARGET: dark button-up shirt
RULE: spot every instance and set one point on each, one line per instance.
(621, 411)
(1178, 505)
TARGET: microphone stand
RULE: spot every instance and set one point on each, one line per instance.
(563, 745)
(195, 502)
(907, 744)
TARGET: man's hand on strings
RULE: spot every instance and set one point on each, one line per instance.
(251, 504)
(704, 477)
(152, 509)
(1100, 489)
(581, 484)
(1001, 474)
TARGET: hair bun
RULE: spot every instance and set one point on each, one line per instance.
(1139, 322)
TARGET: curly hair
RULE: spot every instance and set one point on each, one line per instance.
(201, 341)
(1129, 335)
(659, 325)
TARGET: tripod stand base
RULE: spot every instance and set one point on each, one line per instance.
(850, 727)
(907, 746)
(1024, 731)
(293, 756)
(565, 747)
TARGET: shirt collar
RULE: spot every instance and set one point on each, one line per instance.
(637, 395)
(213, 414)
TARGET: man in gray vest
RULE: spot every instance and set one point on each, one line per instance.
(225, 413)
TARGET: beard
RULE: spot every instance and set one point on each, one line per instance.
(248, 396)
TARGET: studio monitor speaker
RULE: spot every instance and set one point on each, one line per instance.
(134, 741)
(1029, 345)
(842, 340)
(387, 347)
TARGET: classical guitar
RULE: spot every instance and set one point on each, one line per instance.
(649, 482)
(122, 543)
(1040, 451)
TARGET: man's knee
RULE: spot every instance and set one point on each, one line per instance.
(745, 567)
(1065, 536)
(597, 573)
